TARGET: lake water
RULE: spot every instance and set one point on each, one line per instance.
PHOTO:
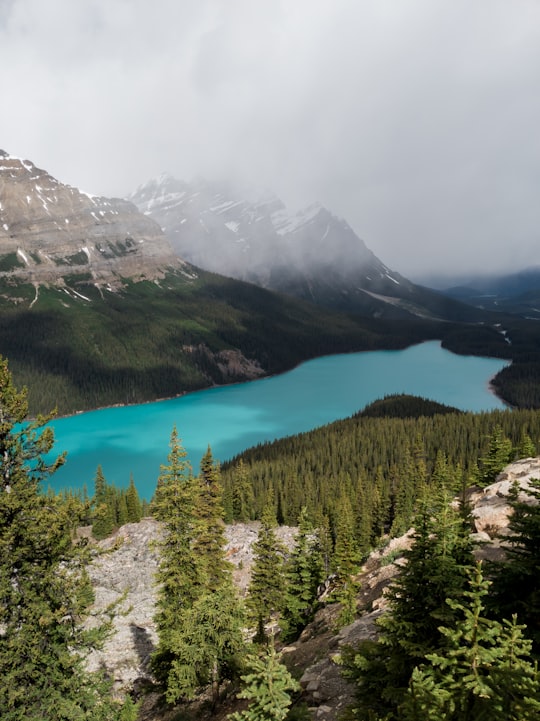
(135, 439)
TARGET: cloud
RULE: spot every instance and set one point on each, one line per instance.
(415, 120)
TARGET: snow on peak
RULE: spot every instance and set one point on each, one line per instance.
(284, 222)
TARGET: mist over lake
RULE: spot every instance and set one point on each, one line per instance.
(135, 439)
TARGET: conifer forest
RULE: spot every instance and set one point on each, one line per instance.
(460, 639)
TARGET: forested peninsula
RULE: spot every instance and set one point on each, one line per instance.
(348, 488)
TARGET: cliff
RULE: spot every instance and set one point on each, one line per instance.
(49, 231)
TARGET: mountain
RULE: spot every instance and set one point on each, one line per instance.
(312, 254)
(96, 309)
(49, 230)
(516, 293)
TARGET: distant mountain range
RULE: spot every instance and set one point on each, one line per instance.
(516, 293)
(311, 254)
(96, 308)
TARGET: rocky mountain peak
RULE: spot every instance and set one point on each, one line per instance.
(248, 233)
(49, 230)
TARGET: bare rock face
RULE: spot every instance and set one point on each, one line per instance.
(123, 573)
(49, 230)
(491, 510)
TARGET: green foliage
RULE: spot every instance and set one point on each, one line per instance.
(516, 581)
(43, 588)
(112, 507)
(180, 574)
(500, 453)
(133, 503)
(199, 618)
(242, 493)
(207, 645)
(268, 686)
(436, 569)
(304, 571)
(400, 405)
(267, 588)
(378, 464)
(484, 671)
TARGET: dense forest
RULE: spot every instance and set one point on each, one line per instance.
(376, 467)
(450, 646)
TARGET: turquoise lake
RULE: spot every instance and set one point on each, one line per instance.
(135, 439)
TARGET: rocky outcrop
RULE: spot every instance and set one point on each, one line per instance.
(491, 510)
(123, 572)
(123, 575)
(50, 231)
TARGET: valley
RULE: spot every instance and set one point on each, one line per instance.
(98, 309)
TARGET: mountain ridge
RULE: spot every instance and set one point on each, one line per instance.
(311, 254)
(49, 230)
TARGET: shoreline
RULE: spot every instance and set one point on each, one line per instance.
(490, 387)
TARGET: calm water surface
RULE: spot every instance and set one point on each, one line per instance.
(134, 439)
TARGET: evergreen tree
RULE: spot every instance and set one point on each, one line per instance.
(345, 563)
(42, 583)
(199, 616)
(209, 542)
(267, 588)
(526, 447)
(500, 453)
(133, 503)
(104, 507)
(436, 570)
(208, 645)
(516, 581)
(180, 575)
(268, 686)
(484, 671)
(242, 493)
(304, 574)
(121, 508)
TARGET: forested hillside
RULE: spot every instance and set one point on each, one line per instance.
(79, 348)
(372, 469)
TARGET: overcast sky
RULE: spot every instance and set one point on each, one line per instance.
(418, 121)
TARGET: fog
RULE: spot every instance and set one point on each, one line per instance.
(415, 120)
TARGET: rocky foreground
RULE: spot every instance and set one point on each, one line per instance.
(124, 573)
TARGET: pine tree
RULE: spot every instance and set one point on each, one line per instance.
(345, 563)
(133, 502)
(304, 574)
(526, 447)
(242, 493)
(42, 583)
(199, 617)
(209, 542)
(180, 575)
(436, 569)
(104, 507)
(500, 453)
(484, 671)
(268, 686)
(209, 645)
(121, 508)
(267, 589)
(516, 581)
